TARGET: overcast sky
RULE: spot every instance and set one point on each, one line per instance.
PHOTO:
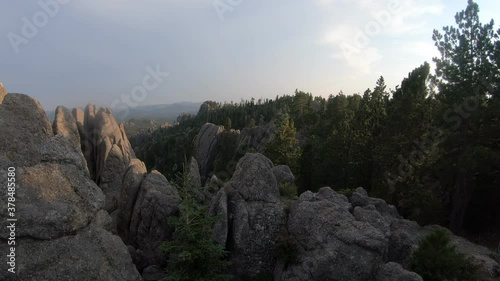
(103, 51)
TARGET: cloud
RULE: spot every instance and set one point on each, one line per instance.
(421, 49)
(351, 49)
(362, 61)
(129, 12)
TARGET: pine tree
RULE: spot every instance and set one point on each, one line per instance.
(193, 256)
(284, 150)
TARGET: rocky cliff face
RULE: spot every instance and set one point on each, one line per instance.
(60, 232)
(79, 184)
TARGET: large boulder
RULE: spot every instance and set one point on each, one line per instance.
(332, 244)
(24, 127)
(206, 148)
(52, 201)
(254, 179)
(91, 254)
(156, 202)
(256, 215)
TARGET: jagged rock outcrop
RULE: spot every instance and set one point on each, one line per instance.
(256, 216)
(25, 127)
(183, 117)
(65, 125)
(206, 149)
(106, 149)
(205, 109)
(138, 203)
(64, 148)
(61, 229)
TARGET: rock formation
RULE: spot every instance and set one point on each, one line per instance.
(210, 142)
(256, 138)
(60, 232)
(335, 237)
(111, 152)
(206, 149)
(256, 216)
(156, 201)
(25, 128)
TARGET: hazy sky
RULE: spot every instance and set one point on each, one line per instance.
(73, 52)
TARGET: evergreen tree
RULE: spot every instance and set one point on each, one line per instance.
(284, 150)
(466, 74)
(193, 256)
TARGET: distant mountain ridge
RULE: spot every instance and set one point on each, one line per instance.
(158, 112)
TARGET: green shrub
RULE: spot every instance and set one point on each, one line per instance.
(436, 260)
(193, 256)
(288, 189)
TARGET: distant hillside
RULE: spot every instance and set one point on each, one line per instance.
(164, 112)
(160, 112)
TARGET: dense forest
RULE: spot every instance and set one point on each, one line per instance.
(431, 146)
